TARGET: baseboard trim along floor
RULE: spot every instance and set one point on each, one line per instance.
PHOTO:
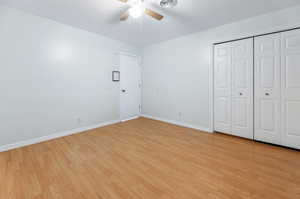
(132, 118)
(54, 136)
(178, 123)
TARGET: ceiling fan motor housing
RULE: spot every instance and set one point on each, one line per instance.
(168, 3)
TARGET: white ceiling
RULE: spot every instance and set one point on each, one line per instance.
(102, 16)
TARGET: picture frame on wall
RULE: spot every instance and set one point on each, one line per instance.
(116, 76)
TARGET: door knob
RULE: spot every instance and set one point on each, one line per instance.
(123, 90)
(267, 94)
(241, 94)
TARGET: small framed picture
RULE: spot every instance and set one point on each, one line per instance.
(116, 76)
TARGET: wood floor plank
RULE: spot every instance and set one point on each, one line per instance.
(146, 159)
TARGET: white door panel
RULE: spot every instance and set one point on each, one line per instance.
(130, 94)
(240, 115)
(242, 88)
(222, 88)
(267, 89)
(290, 85)
(267, 114)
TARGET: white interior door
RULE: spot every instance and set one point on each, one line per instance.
(242, 88)
(130, 87)
(290, 87)
(222, 88)
(267, 89)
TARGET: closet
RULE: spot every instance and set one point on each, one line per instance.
(257, 88)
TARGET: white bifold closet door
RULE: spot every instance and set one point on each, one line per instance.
(242, 88)
(277, 88)
(290, 88)
(222, 88)
(267, 86)
(233, 88)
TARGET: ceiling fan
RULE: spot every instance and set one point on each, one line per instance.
(137, 9)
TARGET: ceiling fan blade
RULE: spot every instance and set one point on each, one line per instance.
(124, 1)
(153, 14)
(124, 16)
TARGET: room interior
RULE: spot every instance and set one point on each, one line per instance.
(149, 99)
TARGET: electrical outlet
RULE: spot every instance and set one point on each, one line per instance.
(180, 115)
(79, 120)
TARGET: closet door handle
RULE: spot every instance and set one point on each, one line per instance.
(267, 94)
(241, 94)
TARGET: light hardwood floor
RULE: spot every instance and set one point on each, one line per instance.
(148, 159)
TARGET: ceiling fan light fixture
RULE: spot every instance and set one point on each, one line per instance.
(168, 3)
(136, 11)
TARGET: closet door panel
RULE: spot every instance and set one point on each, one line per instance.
(242, 88)
(267, 89)
(290, 85)
(222, 88)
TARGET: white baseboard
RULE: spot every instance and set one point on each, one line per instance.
(179, 123)
(132, 118)
(82, 129)
(54, 136)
